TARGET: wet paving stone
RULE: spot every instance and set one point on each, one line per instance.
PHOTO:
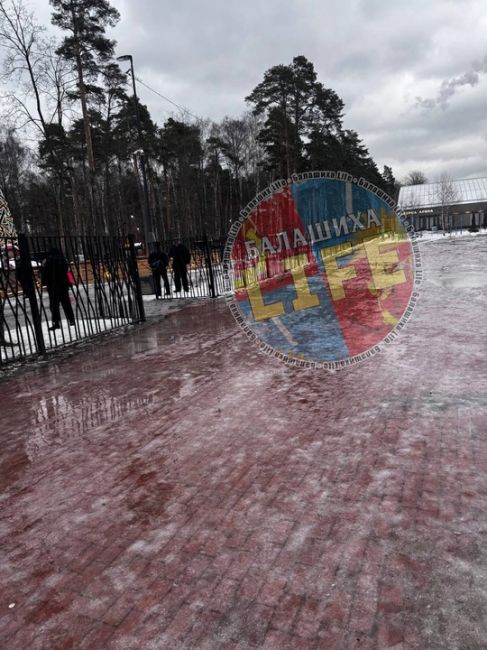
(173, 488)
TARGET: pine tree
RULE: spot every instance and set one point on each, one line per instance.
(294, 104)
(87, 48)
(390, 183)
(180, 154)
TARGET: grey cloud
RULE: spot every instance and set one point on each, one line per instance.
(209, 56)
(482, 66)
(427, 104)
(447, 89)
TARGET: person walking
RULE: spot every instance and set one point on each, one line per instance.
(181, 257)
(158, 261)
(54, 276)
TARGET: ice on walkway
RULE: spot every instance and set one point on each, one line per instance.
(178, 489)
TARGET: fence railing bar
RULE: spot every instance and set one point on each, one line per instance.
(103, 291)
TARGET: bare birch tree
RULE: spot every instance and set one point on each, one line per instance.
(38, 76)
(446, 195)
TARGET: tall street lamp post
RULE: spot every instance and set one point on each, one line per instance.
(147, 222)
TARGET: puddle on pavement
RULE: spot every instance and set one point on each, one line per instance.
(116, 382)
(59, 419)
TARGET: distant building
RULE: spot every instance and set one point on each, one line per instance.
(463, 204)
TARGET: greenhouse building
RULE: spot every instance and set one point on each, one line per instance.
(447, 204)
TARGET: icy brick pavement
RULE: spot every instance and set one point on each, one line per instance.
(173, 488)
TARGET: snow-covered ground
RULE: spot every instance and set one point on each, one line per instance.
(160, 308)
(23, 337)
(428, 236)
(84, 329)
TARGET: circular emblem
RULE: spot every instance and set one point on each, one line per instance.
(321, 269)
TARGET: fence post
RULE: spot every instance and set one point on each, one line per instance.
(210, 267)
(134, 271)
(28, 286)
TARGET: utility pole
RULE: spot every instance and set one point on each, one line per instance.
(147, 221)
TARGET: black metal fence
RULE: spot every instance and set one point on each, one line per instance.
(58, 290)
(199, 275)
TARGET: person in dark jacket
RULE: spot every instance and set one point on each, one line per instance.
(54, 276)
(181, 257)
(158, 261)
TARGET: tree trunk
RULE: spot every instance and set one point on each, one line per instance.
(61, 205)
(168, 202)
(123, 216)
(86, 125)
(76, 215)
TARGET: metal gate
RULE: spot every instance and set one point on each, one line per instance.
(100, 292)
(203, 272)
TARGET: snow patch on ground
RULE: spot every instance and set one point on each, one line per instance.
(428, 236)
(84, 328)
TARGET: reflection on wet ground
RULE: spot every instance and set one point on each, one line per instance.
(61, 404)
(173, 488)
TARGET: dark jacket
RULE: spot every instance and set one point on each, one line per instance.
(54, 273)
(180, 255)
(158, 261)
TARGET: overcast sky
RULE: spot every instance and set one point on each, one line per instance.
(412, 74)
